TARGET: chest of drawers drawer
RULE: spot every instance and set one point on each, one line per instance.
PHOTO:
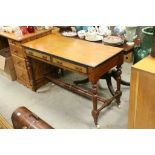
(16, 50)
(69, 65)
(19, 62)
(37, 54)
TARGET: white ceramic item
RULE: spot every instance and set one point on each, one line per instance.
(130, 33)
(81, 34)
(97, 38)
(103, 30)
(91, 35)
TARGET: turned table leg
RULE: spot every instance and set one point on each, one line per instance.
(95, 112)
(118, 80)
(114, 75)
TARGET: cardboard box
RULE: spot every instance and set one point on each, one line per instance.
(6, 64)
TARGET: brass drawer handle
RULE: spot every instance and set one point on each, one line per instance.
(44, 57)
(30, 53)
(59, 63)
(78, 68)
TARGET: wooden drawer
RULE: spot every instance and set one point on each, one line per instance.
(19, 62)
(128, 57)
(16, 50)
(22, 74)
(69, 65)
(37, 54)
(14, 42)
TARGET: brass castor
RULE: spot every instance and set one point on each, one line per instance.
(98, 126)
(119, 106)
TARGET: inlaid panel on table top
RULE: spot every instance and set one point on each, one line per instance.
(20, 38)
(79, 51)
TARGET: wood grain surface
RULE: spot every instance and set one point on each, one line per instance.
(142, 95)
(83, 52)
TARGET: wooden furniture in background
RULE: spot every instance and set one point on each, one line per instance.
(90, 59)
(142, 94)
(19, 58)
(128, 57)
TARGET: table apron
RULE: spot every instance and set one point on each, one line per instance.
(97, 72)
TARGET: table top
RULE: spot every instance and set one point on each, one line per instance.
(126, 48)
(147, 64)
(79, 51)
(23, 37)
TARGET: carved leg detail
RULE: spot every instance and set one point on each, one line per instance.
(114, 75)
(118, 80)
(30, 72)
(95, 112)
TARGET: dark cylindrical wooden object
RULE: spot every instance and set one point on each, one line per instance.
(23, 118)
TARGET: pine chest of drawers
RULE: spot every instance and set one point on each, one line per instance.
(142, 95)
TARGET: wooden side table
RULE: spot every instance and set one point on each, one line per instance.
(90, 59)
